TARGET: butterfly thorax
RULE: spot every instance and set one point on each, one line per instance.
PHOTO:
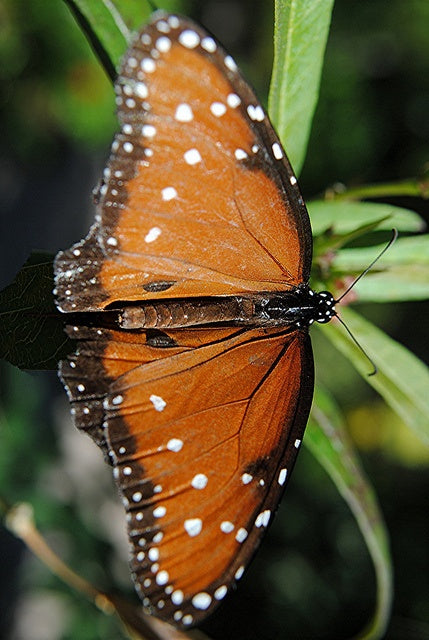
(298, 307)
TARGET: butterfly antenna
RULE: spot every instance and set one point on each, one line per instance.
(360, 347)
(369, 267)
(376, 259)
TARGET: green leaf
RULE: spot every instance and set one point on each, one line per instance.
(402, 379)
(31, 328)
(397, 284)
(300, 33)
(346, 217)
(401, 274)
(405, 251)
(327, 439)
(109, 24)
(104, 28)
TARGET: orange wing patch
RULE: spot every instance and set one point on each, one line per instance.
(196, 184)
(201, 440)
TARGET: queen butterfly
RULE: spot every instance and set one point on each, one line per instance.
(191, 306)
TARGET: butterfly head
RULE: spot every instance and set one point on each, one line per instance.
(324, 306)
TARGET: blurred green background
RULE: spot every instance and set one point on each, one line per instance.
(312, 577)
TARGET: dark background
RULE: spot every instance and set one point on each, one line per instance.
(313, 577)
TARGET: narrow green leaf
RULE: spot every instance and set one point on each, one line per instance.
(109, 24)
(330, 242)
(397, 284)
(405, 251)
(105, 29)
(401, 274)
(345, 217)
(327, 439)
(402, 379)
(300, 33)
(31, 328)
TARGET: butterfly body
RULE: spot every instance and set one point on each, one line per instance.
(190, 304)
(298, 308)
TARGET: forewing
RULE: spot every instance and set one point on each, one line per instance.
(198, 197)
(202, 439)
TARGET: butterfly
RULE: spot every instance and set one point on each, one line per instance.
(190, 304)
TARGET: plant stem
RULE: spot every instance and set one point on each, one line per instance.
(410, 187)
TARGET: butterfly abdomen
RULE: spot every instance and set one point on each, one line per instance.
(177, 314)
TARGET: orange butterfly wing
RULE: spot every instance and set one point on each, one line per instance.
(202, 439)
(198, 197)
(202, 425)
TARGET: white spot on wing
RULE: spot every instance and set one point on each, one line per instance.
(240, 154)
(255, 112)
(246, 478)
(163, 44)
(174, 444)
(201, 600)
(263, 518)
(277, 151)
(241, 535)
(218, 109)
(169, 193)
(148, 65)
(158, 402)
(153, 554)
(173, 21)
(141, 90)
(163, 26)
(233, 100)
(208, 44)
(192, 156)
(189, 39)
(177, 597)
(282, 476)
(220, 592)
(199, 481)
(152, 235)
(239, 572)
(184, 113)
(230, 63)
(148, 130)
(226, 526)
(159, 512)
(162, 577)
(193, 526)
